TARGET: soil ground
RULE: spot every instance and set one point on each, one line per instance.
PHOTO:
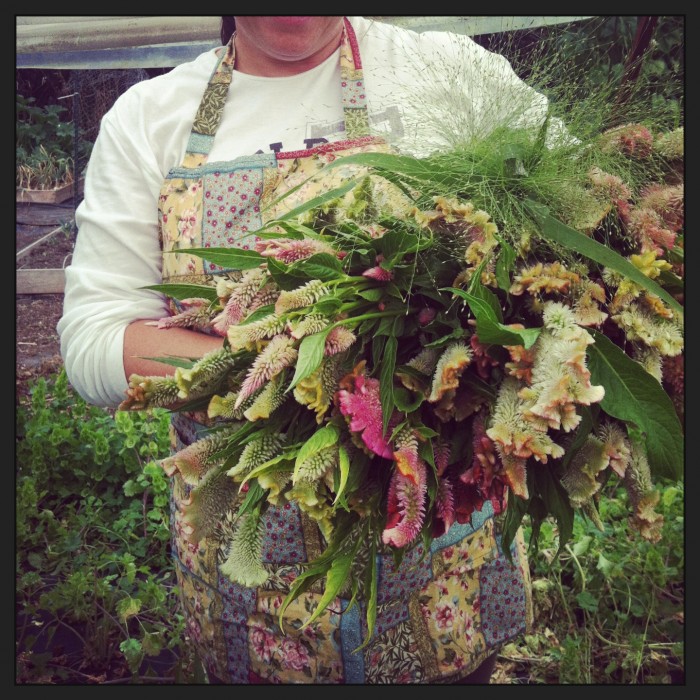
(37, 351)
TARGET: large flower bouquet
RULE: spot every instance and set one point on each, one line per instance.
(502, 323)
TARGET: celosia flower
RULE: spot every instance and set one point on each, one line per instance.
(300, 297)
(633, 140)
(543, 278)
(243, 564)
(274, 482)
(379, 274)
(589, 295)
(580, 477)
(453, 361)
(560, 378)
(424, 362)
(205, 373)
(338, 340)
(667, 201)
(444, 507)
(640, 325)
(406, 453)
(316, 465)
(481, 359)
(202, 509)
(289, 250)
(316, 390)
(277, 354)
(405, 507)
(265, 403)
(150, 392)
(307, 325)
(643, 496)
(650, 359)
(195, 313)
(358, 401)
(649, 228)
(426, 315)
(193, 461)
(258, 451)
(240, 301)
(245, 336)
(616, 446)
(671, 145)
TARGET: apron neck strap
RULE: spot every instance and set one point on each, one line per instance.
(211, 108)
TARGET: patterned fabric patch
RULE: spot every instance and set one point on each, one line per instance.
(397, 583)
(231, 209)
(391, 614)
(211, 108)
(283, 539)
(295, 655)
(200, 143)
(393, 657)
(238, 604)
(503, 608)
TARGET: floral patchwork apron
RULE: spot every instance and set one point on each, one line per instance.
(439, 615)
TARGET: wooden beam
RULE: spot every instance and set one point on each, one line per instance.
(44, 281)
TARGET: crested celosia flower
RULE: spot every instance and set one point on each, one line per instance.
(589, 295)
(244, 561)
(405, 507)
(194, 313)
(338, 340)
(246, 335)
(316, 391)
(650, 359)
(616, 446)
(300, 297)
(611, 187)
(560, 378)
(289, 250)
(225, 407)
(453, 361)
(481, 358)
(277, 354)
(543, 278)
(358, 401)
(274, 482)
(641, 325)
(513, 433)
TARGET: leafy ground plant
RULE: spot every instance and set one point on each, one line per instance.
(95, 598)
(609, 609)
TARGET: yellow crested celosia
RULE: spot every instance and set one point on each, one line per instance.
(453, 361)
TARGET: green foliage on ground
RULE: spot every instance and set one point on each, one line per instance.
(95, 595)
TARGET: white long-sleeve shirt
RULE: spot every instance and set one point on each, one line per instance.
(425, 92)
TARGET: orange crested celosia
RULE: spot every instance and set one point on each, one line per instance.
(544, 278)
(453, 361)
(560, 378)
(589, 295)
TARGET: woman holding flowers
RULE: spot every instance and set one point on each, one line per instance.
(321, 532)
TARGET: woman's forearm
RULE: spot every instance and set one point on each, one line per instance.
(143, 341)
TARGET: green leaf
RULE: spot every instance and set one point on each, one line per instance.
(344, 468)
(128, 607)
(634, 396)
(374, 294)
(489, 330)
(320, 266)
(185, 291)
(310, 356)
(386, 381)
(335, 579)
(504, 265)
(371, 585)
(556, 500)
(231, 258)
(605, 566)
(556, 231)
(320, 200)
(587, 601)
